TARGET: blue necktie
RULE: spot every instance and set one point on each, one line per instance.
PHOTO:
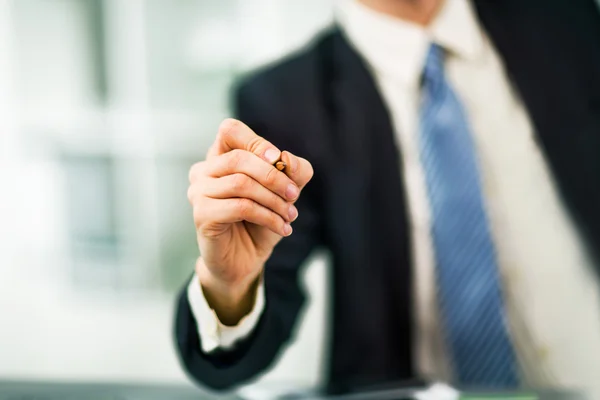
(468, 283)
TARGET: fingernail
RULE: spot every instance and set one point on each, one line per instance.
(292, 213)
(287, 230)
(272, 155)
(291, 192)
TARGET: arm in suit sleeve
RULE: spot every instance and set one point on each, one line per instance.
(224, 369)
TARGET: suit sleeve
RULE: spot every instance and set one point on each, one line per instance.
(226, 369)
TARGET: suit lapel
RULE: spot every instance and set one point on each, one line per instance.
(365, 137)
(370, 168)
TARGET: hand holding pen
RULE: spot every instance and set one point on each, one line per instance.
(242, 197)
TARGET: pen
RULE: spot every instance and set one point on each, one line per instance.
(280, 165)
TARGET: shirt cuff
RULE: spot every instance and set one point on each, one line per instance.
(213, 334)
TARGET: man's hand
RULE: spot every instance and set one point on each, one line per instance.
(242, 207)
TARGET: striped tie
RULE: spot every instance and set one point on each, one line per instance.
(468, 283)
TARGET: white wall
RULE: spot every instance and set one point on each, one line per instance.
(50, 329)
(50, 332)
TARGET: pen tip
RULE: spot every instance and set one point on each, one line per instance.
(280, 165)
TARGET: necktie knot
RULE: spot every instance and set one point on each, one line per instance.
(434, 64)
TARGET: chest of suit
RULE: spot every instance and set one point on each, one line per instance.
(559, 86)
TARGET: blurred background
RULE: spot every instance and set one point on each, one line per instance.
(104, 106)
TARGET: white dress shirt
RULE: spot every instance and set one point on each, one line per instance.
(551, 294)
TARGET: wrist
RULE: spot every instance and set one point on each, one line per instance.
(231, 300)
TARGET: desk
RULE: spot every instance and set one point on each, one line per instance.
(101, 391)
(112, 391)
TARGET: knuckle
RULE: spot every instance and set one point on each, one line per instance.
(279, 205)
(271, 176)
(244, 207)
(195, 171)
(255, 144)
(274, 221)
(236, 157)
(240, 182)
(198, 216)
(227, 127)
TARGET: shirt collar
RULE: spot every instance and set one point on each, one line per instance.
(398, 48)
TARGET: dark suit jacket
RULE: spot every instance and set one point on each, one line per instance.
(322, 104)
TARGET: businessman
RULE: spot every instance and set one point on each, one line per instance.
(447, 153)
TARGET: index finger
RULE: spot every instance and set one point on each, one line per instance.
(234, 134)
